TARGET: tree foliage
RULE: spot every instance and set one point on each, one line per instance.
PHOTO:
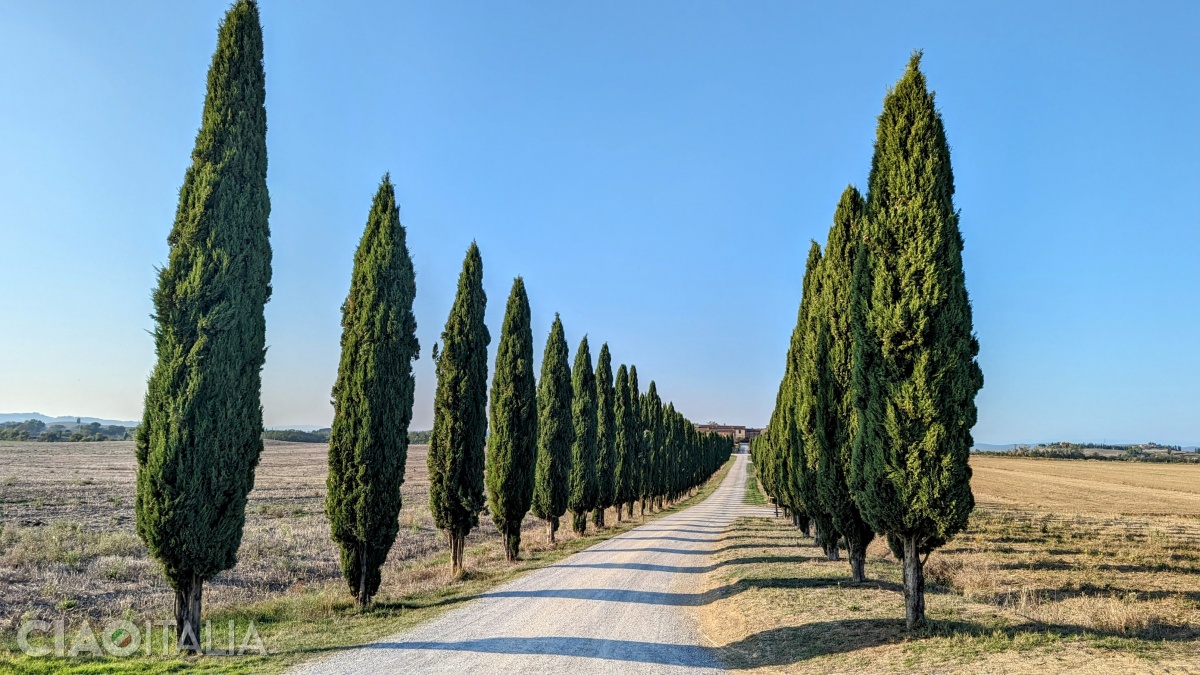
(556, 432)
(512, 444)
(582, 497)
(373, 398)
(456, 443)
(918, 368)
(201, 432)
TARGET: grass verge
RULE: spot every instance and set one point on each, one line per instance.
(309, 622)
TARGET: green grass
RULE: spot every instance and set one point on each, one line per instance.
(754, 493)
(304, 625)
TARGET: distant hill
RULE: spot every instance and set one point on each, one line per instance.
(66, 420)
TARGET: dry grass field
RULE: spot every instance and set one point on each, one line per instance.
(1067, 566)
(68, 549)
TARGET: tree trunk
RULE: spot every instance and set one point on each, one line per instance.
(831, 549)
(361, 597)
(858, 560)
(914, 584)
(618, 512)
(456, 554)
(598, 517)
(512, 541)
(187, 613)
(642, 506)
(552, 527)
(629, 509)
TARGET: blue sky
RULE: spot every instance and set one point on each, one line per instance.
(654, 170)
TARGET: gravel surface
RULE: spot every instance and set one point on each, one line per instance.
(621, 606)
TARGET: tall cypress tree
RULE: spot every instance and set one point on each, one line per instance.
(583, 452)
(201, 432)
(835, 360)
(652, 421)
(812, 393)
(373, 398)
(622, 450)
(605, 435)
(556, 432)
(512, 445)
(637, 443)
(456, 443)
(915, 479)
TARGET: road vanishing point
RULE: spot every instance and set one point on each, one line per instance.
(625, 605)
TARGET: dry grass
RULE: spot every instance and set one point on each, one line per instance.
(67, 534)
(68, 550)
(1022, 590)
(1083, 486)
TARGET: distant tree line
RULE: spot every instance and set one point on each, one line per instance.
(871, 428)
(37, 430)
(297, 436)
(577, 441)
(1173, 454)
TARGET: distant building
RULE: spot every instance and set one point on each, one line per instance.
(739, 434)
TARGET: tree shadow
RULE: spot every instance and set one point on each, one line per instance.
(681, 551)
(684, 569)
(630, 651)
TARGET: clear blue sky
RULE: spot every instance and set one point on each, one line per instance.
(654, 170)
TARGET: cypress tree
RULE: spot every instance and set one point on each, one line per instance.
(583, 452)
(835, 360)
(920, 370)
(622, 469)
(201, 432)
(556, 432)
(456, 443)
(808, 411)
(605, 435)
(652, 420)
(512, 444)
(373, 398)
(812, 402)
(637, 444)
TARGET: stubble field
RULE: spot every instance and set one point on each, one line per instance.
(68, 544)
(1067, 566)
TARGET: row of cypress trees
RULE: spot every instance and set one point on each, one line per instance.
(575, 439)
(201, 434)
(871, 430)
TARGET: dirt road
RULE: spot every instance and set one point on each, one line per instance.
(621, 606)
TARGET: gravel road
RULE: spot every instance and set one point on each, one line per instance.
(621, 606)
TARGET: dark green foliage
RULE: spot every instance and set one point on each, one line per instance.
(512, 445)
(556, 432)
(373, 398)
(811, 393)
(605, 436)
(637, 445)
(298, 436)
(456, 443)
(624, 489)
(655, 488)
(201, 432)
(918, 366)
(582, 497)
(833, 357)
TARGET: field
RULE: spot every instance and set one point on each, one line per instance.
(68, 548)
(1067, 566)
